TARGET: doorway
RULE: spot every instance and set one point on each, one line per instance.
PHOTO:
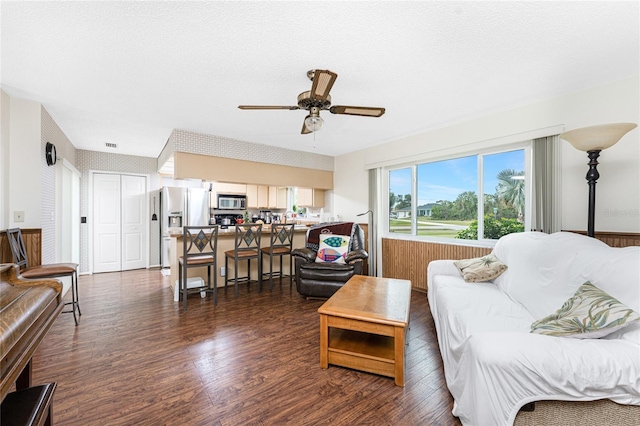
(120, 224)
(67, 212)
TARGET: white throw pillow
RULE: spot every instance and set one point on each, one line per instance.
(333, 248)
(589, 314)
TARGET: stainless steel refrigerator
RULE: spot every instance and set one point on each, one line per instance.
(181, 207)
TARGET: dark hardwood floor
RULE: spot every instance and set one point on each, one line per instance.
(136, 358)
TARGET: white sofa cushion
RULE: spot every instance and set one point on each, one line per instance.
(540, 276)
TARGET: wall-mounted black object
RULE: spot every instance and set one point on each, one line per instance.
(83, 219)
(154, 216)
(50, 154)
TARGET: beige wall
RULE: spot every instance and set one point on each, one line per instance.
(194, 166)
(5, 125)
(618, 190)
(23, 172)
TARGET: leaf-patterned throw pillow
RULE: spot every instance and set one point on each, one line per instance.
(483, 268)
(589, 314)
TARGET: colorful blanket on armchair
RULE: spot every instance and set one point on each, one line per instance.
(336, 228)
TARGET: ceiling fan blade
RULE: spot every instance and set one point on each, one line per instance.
(267, 107)
(305, 129)
(357, 110)
(322, 82)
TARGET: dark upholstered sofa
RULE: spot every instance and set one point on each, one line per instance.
(315, 279)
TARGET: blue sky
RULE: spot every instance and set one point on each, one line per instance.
(445, 180)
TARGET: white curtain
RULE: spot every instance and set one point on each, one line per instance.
(546, 185)
(373, 221)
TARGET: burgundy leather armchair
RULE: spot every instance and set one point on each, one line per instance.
(315, 279)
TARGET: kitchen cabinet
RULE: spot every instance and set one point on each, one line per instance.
(252, 196)
(257, 196)
(230, 188)
(266, 197)
(310, 197)
(263, 196)
(273, 197)
(225, 188)
(281, 198)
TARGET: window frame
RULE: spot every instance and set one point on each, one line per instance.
(526, 145)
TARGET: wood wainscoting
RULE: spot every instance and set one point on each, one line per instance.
(32, 242)
(615, 239)
(409, 259)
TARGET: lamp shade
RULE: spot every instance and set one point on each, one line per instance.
(597, 138)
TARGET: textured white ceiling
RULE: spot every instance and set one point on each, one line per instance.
(130, 72)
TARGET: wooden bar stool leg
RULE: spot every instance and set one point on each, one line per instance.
(74, 279)
(270, 273)
(226, 272)
(235, 277)
(249, 273)
(73, 301)
(215, 284)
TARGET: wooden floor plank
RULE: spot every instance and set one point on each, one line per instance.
(136, 358)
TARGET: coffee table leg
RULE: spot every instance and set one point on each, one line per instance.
(324, 342)
(398, 343)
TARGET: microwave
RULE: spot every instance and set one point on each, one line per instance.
(232, 202)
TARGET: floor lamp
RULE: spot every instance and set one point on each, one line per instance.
(594, 139)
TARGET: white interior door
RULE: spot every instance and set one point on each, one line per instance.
(107, 240)
(134, 228)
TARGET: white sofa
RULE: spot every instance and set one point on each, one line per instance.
(493, 363)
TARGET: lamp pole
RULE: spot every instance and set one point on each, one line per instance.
(592, 177)
(594, 139)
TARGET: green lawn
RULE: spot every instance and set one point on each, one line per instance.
(403, 226)
(422, 220)
(449, 222)
(446, 233)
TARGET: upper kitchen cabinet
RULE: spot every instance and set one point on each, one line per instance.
(281, 200)
(310, 197)
(263, 196)
(257, 196)
(230, 188)
(225, 188)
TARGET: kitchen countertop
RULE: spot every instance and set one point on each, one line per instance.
(225, 243)
(231, 230)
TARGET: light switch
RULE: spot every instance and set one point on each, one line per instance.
(18, 216)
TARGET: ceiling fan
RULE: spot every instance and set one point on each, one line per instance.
(318, 99)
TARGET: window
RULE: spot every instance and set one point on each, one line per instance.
(504, 199)
(400, 201)
(447, 198)
(447, 201)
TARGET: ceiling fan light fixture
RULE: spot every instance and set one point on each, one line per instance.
(313, 123)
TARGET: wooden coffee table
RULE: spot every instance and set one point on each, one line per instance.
(363, 325)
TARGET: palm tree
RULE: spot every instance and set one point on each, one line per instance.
(510, 188)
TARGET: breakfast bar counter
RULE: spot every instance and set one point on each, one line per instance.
(226, 241)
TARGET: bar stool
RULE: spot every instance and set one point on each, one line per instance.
(281, 244)
(200, 245)
(247, 247)
(52, 270)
